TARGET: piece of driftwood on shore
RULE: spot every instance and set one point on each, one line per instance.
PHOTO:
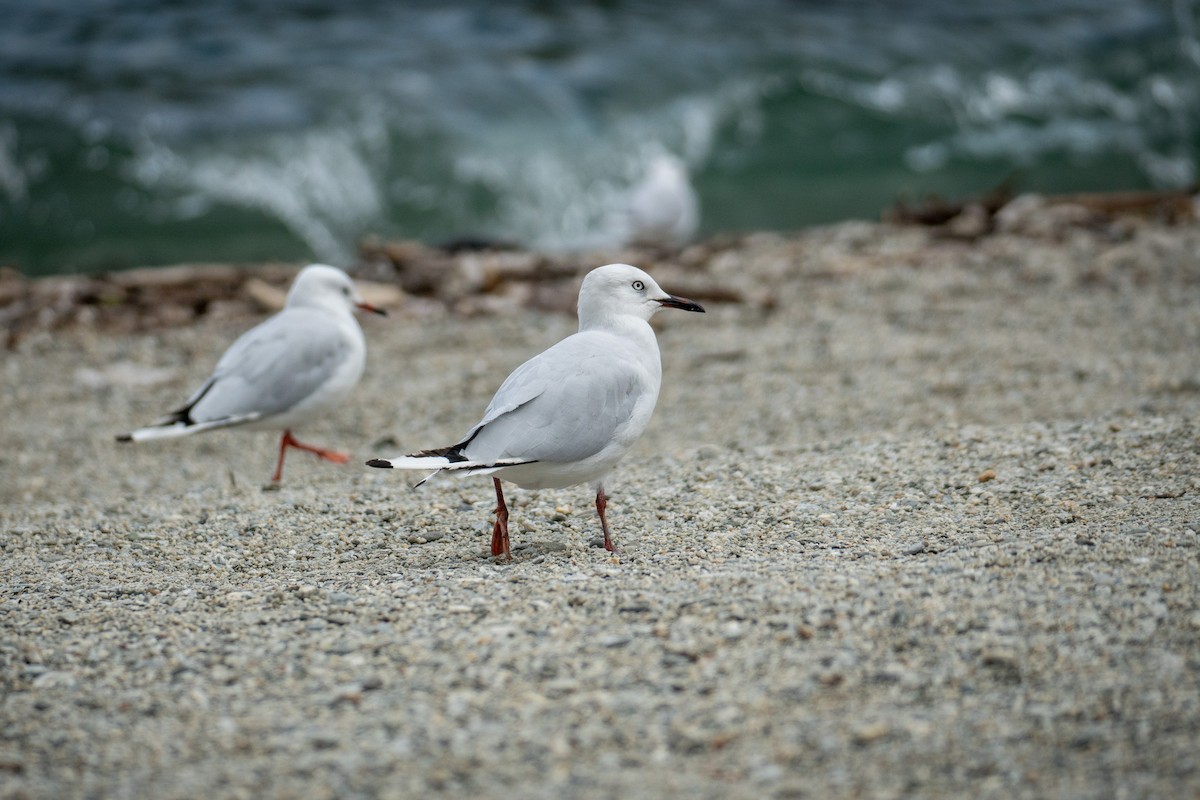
(462, 280)
(486, 278)
(972, 218)
(128, 300)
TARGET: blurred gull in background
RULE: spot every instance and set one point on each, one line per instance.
(663, 208)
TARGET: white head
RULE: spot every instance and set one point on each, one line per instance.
(327, 288)
(618, 290)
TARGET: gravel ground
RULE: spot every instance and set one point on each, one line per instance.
(914, 517)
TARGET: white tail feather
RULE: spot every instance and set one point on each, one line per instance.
(443, 464)
(414, 462)
(173, 430)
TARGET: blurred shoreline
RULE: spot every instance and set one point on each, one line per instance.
(473, 277)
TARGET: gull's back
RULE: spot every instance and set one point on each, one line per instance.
(590, 393)
(277, 366)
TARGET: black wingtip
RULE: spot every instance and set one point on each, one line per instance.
(124, 437)
(380, 463)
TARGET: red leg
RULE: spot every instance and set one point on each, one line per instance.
(500, 532)
(283, 444)
(290, 441)
(601, 505)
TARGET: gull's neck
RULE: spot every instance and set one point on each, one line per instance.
(336, 309)
(604, 320)
(633, 329)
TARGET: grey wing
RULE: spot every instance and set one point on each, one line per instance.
(273, 367)
(565, 407)
(523, 384)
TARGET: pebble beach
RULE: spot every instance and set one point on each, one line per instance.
(917, 515)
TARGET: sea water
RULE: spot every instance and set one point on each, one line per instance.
(142, 132)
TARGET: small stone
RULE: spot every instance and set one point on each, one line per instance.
(733, 630)
(987, 475)
(871, 732)
(350, 693)
(324, 740)
(55, 679)
(974, 221)
(831, 678)
(1004, 664)
(11, 762)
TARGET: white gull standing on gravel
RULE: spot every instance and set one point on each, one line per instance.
(568, 415)
(283, 372)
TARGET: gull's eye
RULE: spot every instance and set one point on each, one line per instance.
(638, 286)
(346, 291)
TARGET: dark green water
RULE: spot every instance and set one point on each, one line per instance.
(136, 133)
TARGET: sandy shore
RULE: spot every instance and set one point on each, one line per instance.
(915, 517)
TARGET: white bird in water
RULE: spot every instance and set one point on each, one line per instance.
(290, 368)
(568, 415)
(663, 208)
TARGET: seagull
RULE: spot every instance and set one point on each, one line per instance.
(568, 415)
(286, 370)
(663, 208)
